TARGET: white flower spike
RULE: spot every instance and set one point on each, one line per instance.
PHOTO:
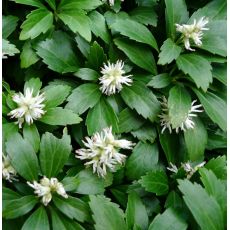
(8, 172)
(188, 123)
(193, 32)
(46, 187)
(113, 79)
(191, 170)
(102, 151)
(30, 108)
(111, 2)
(173, 168)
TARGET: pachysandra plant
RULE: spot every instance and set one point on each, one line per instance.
(114, 114)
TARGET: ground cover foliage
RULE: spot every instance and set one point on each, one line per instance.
(145, 81)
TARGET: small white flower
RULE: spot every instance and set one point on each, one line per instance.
(193, 32)
(29, 107)
(173, 168)
(113, 79)
(111, 2)
(188, 123)
(46, 187)
(190, 170)
(8, 172)
(102, 151)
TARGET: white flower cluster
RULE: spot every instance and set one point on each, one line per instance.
(193, 32)
(188, 123)
(189, 169)
(46, 187)
(29, 108)
(8, 172)
(102, 151)
(113, 79)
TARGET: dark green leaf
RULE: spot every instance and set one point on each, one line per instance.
(23, 157)
(169, 219)
(140, 34)
(55, 95)
(156, 182)
(58, 53)
(101, 116)
(215, 107)
(144, 15)
(72, 207)
(37, 220)
(28, 55)
(9, 24)
(220, 72)
(141, 99)
(196, 140)
(35, 3)
(60, 116)
(87, 74)
(107, 215)
(175, 13)
(31, 134)
(54, 153)
(204, 208)
(96, 57)
(169, 52)
(138, 54)
(99, 28)
(18, 207)
(160, 81)
(83, 97)
(77, 21)
(8, 48)
(136, 213)
(196, 66)
(37, 22)
(129, 120)
(143, 159)
(179, 104)
(218, 166)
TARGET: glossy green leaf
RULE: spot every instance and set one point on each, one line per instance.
(9, 24)
(87, 74)
(129, 120)
(169, 219)
(37, 22)
(33, 83)
(83, 97)
(19, 207)
(144, 15)
(101, 116)
(60, 116)
(160, 81)
(196, 140)
(141, 99)
(179, 104)
(220, 72)
(72, 207)
(169, 52)
(28, 55)
(23, 157)
(138, 54)
(196, 66)
(140, 34)
(106, 214)
(55, 95)
(77, 21)
(136, 213)
(31, 134)
(58, 53)
(35, 3)
(54, 153)
(175, 13)
(143, 159)
(8, 49)
(37, 220)
(204, 207)
(155, 182)
(99, 29)
(215, 107)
